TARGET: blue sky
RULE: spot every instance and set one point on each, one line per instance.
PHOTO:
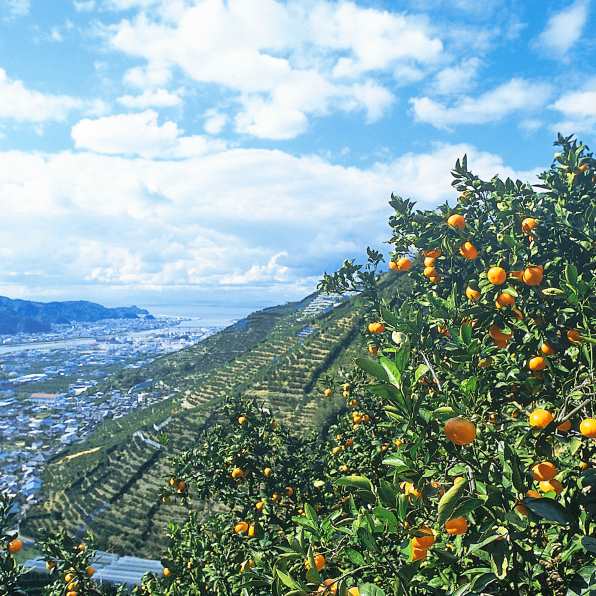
(178, 150)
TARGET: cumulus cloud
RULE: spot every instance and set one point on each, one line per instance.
(458, 78)
(139, 134)
(517, 95)
(564, 28)
(578, 109)
(272, 271)
(17, 102)
(158, 98)
(215, 121)
(286, 62)
(241, 217)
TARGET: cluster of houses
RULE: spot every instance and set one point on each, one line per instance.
(49, 397)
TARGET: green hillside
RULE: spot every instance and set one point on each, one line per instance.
(111, 483)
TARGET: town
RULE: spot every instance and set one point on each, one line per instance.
(49, 387)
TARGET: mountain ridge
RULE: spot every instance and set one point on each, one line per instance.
(28, 316)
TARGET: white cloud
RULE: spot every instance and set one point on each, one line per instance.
(17, 8)
(578, 109)
(158, 98)
(272, 271)
(215, 121)
(84, 5)
(517, 95)
(17, 102)
(139, 134)
(242, 217)
(564, 28)
(286, 62)
(456, 79)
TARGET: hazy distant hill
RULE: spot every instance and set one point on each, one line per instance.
(18, 316)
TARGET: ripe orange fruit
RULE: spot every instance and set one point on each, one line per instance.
(289, 491)
(418, 554)
(587, 427)
(376, 328)
(456, 526)
(456, 221)
(537, 363)
(434, 279)
(328, 392)
(434, 253)
(166, 572)
(404, 264)
(468, 251)
(241, 528)
(238, 473)
(409, 489)
(460, 431)
(267, 472)
(242, 420)
(426, 540)
(529, 224)
(533, 275)
(68, 578)
(534, 494)
(393, 265)
(181, 487)
(429, 272)
(72, 593)
(260, 505)
(354, 591)
(497, 276)
(252, 531)
(584, 168)
(14, 546)
(540, 418)
(574, 336)
(545, 470)
(583, 465)
(429, 261)
(90, 571)
(319, 560)
(505, 299)
(329, 586)
(547, 486)
(521, 509)
(373, 350)
(472, 295)
(547, 349)
(564, 426)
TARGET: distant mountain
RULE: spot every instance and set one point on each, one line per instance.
(24, 316)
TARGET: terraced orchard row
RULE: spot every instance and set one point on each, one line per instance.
(276, 355)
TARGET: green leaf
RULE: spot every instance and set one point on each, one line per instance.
(360, 482)
(373, 368)
(355, 556)
(370, 590)
(287, 580)
(465, 507)
(311, 514)
(548, 509)
(421, 370)
(449, 500)
(387, 493)
(465, 332)
(393, 373)
(589, 544)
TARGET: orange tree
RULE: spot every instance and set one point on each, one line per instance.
(255, 473)
(10, 545)
(69, 565)
(485, 370)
